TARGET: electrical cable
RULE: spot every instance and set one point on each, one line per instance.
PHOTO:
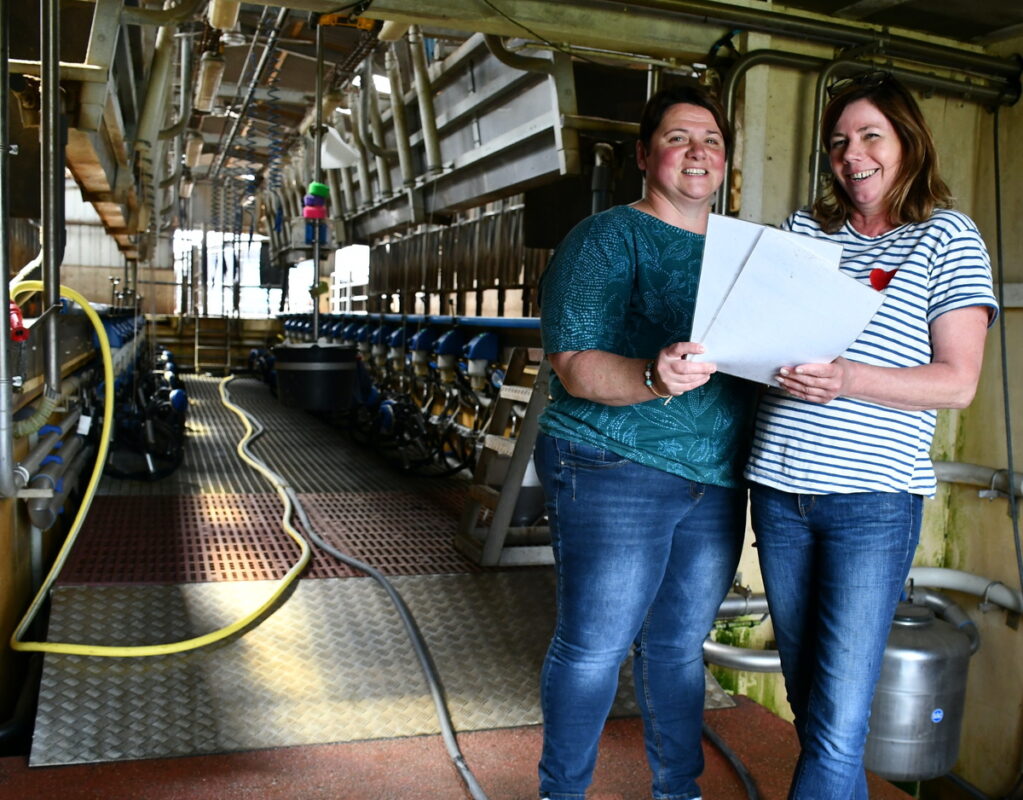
(16, 641)
(740, 768)
(408, 620)
(1006, 403)
(1016, 792)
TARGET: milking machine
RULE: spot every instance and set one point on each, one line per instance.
(421, 390)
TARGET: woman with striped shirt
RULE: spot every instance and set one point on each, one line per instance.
(840, 460)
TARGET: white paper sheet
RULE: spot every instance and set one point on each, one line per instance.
(788, 304)
(728, 244)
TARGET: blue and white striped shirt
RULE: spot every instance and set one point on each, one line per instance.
(851, 445)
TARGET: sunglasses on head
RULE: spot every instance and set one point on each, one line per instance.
(869, 80)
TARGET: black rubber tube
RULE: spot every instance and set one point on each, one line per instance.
(408, 620)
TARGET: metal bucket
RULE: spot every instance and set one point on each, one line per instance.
(315, 377)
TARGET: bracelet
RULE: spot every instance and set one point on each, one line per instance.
(648, 380)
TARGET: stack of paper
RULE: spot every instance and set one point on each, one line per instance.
(771, 299)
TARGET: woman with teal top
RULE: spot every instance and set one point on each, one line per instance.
(640, 456)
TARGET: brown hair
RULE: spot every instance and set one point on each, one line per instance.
(694, 95)
(918, 188)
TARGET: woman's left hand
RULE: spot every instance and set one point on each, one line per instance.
(815, 383)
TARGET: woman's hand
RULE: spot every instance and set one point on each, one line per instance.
(615, 380)
(815, 383)
(949, 381)
(675, 374)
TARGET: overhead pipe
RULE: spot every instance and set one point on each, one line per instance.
(366, 186)
(6, 399)
(729, 94)
(781, 58)
(181, 11)
(372, 129)
(424, 96)
(154, 107)
(497, 48)
(401, 136)
(185, 109)
(271, 42)
(709, 13)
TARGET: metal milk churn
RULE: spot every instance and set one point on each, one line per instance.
(918, 704)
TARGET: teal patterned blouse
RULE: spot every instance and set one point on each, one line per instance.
(625, 282)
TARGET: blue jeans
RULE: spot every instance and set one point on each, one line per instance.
(644, 559)
(834, 567)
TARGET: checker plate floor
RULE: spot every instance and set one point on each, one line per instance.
(160, 562)
(332, 664)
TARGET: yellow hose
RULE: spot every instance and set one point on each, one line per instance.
(108, 411)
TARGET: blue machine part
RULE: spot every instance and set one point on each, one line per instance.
(396, 339)
(379, 335)
(484, 346)
(351, 331)
(450, 343)
(423, 339)
(179, 400)
(497, 378)
(365, 332)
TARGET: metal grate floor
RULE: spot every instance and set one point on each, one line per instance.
(216, 519)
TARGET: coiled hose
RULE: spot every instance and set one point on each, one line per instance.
(17, 642)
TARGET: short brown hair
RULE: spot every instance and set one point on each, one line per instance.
(918, 188)
(694, 95)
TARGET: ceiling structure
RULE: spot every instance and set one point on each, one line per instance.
(130, 72)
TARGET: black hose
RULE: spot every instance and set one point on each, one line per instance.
(411, 627)
(740, 768)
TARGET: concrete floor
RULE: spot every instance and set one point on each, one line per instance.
(418, 768)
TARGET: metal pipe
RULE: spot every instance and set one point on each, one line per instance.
(318, 177)
(601, 182)
(59, 475)
(185, 109)
(958, 581)
(52, 187)
(154, 107)
(372, 130)
(48, 475)
(6, 400)
(709, 13)
(949, 611)
(26, 469)
(271, 41)
(365, 184)
(497, 48)
(180, 12)
(729, 92)
(401, 137)
(994, 480)
(424, 95)
(741, 658)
